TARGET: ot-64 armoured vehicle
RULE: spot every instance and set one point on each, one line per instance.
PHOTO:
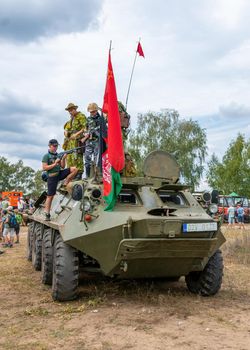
(156, 230)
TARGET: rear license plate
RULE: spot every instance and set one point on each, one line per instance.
(199, 227)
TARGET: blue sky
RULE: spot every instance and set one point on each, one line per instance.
(197, 61)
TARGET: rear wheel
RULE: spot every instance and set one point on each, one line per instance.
(37, 247)
(47, 257)
(65, 271)
(208, 281)
(29, 241)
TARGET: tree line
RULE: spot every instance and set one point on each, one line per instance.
(20, 178)
(187, 141)
(164, 130)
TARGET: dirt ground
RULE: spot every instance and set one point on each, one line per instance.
(126, 315)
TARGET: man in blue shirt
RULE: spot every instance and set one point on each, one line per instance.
(240, 214)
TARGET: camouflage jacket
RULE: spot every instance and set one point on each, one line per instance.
(71, 127)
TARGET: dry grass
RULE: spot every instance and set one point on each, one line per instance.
(109, 313)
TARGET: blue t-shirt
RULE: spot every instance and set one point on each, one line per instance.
(240, 211)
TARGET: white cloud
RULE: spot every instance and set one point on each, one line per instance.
(196, 60)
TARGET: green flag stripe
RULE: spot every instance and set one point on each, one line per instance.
(115, 190)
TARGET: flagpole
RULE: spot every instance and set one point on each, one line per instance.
(129, 85)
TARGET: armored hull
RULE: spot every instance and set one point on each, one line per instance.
(157, 228)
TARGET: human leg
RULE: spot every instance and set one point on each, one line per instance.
(47, 208)
(71, 175)
(6, 236)
(17, 230)
(88, 156)
(52, 184)
(12, 235)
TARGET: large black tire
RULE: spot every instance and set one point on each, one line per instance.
(47, 257)
(29, 241)
(65, 271)
(37, 247)
(208, 281)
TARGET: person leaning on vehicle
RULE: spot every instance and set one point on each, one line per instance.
(56, 172)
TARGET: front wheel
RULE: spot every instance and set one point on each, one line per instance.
(208, 281)
(37, 247)
(47, 257)
(65, 271)
(29, 241)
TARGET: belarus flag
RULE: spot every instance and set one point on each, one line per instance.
(113, 158)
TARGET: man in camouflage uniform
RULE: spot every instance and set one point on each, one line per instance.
(129, 169)
(92, 143)
(73, 131)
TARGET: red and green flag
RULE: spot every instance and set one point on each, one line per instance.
(113, 158)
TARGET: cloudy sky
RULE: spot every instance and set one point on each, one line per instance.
(197, 61)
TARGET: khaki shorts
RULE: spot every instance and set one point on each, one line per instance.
(8, 231)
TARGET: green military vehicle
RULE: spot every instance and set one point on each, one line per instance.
(156, 230)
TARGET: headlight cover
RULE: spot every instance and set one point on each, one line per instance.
(87, 205)
(213, 208)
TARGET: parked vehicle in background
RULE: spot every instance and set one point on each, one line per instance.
(13, 197)
(226, 201)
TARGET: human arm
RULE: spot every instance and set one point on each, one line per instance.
(63, 161)
(79, 126)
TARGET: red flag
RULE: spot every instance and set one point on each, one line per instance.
(113, 159)
(139, 50)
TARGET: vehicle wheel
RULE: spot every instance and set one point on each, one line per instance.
(37, 247)
(208, 281)
(47, 257)
(65, 271)
(29, 241)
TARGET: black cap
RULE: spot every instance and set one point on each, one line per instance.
(53, 142)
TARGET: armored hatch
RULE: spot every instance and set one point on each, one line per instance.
(160, 164)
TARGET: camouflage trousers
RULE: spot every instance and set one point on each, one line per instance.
(76, 160)
(91, 151)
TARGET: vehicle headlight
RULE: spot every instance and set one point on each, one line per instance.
(213, 208)
(87, 205)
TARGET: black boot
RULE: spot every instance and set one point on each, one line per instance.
(78, 176)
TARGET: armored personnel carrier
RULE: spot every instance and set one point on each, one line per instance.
(156, 230)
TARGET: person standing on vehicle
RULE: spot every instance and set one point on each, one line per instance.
(92, 137)
(240, 215)
(56, 172)
(73, 131)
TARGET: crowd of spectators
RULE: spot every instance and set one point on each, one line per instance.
(11, 219)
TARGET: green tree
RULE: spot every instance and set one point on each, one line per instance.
(233, 173)
(39, 185)
(20, 178)
(166, 131)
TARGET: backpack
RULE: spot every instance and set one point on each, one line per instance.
(12, 221)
